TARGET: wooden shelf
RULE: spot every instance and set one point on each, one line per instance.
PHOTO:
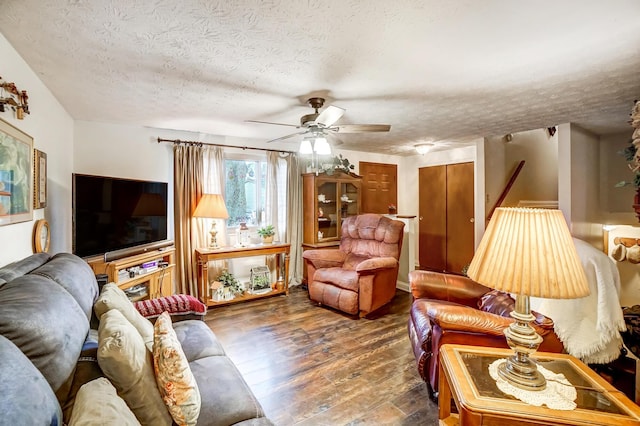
(244, 298)
(159, 281)
(205, 255)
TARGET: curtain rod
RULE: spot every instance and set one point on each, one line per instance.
(178, 141)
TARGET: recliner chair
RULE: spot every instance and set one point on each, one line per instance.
(451, 308)
(359, 276)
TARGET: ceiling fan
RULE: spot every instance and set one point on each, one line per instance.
(321, 124)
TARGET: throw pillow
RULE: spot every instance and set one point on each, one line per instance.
(176, 383)
(179, 306)
(97, 404)
(112, 297)
(125, 361)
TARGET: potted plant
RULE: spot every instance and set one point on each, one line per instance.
(230, 284)
(267, 232)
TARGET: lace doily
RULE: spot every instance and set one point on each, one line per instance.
(558, 395)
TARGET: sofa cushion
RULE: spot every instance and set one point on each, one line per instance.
(343, 278)
(25, 396)
(46, 323)
(197, 340)
(23, 266)
(176, 383)
(501, 303)
(497, 302)
(125, 360)
(112, 297)
(74, 275)
(227, 397)
(98, 404)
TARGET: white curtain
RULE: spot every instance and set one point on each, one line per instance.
(276, 194)
(294, 217)
(213, 164)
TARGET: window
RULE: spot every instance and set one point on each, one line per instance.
(245, 191)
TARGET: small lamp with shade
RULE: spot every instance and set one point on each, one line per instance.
(212, 206)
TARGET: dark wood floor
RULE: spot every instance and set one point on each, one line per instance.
(310, 365)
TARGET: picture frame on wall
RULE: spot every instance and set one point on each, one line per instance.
(16, 154)
(39, 179)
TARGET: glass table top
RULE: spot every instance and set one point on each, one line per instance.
(589, 397)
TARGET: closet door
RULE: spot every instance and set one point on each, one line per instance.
(432, 232)
(460, 219)
(446, 221)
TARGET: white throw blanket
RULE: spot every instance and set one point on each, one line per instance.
(589, 327)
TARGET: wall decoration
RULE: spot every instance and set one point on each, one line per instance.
(41, 236)
(13, 98)
(16, 150)
(39, 179)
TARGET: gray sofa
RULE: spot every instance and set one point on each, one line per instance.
(48, 348)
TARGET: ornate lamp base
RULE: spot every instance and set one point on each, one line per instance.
(213, 243)
(519, 370)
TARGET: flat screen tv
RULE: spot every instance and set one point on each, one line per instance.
(113, 214)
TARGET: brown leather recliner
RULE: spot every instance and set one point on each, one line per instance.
(359, 276)
(450, 308)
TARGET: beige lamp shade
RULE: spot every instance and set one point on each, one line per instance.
(211, 206)
(529, 252)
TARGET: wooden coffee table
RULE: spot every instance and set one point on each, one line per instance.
(464, 376)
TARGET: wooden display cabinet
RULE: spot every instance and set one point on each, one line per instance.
(327, 200)
(156, 282)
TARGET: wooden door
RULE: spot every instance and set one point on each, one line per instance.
(379, 186)
(460, 216)
(432, 224)
(446, 217)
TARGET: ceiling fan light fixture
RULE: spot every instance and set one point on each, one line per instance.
(423, 148)
(322, 147)
(306, 147)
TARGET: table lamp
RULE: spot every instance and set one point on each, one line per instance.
(527, 252)
(212, 206)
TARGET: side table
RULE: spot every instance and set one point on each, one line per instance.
(205, 255)
(464, 376)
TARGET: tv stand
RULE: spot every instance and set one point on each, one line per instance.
(141, 283)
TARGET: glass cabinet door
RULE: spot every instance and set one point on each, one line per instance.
(349, 199)
(327, 210)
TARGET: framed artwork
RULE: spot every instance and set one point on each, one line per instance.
(16, 153)
(39, 179)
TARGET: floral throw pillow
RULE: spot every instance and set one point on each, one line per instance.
(175, 381)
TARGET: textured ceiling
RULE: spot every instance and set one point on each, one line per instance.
(433, 70)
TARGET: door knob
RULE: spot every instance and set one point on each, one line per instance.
(420, 217)
(472, 220)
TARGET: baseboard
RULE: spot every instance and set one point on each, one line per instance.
(401, 285)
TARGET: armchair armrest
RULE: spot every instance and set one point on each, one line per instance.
(370, 266)
(448, 287)
(327, 258)
(451, 316)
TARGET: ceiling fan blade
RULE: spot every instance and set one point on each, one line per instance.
(361, 128)
(269, 122)
(330, 115)
(286, 137)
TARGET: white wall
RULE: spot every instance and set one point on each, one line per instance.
(538, 179)
(52, 130)
(585, 175)
(408, 188)
(615, 203)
